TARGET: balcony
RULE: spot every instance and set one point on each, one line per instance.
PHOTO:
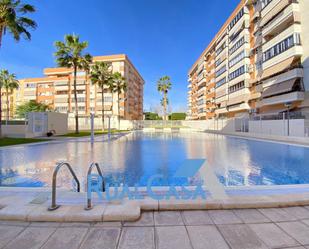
(289, 15)
(272, 9)
(243, 23)
(211, 95)
(292, 74)
(281, 99)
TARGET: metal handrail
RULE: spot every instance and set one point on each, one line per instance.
(89, 203)
(54, 205)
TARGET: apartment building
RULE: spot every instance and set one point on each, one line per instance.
(56, 90)
(257, 63)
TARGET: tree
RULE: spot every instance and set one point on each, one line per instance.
(164, 85)
(178, 116)
(9, 85)
(152, 116)
(120, 87)
(70, 54)
(31, 106)
(101, 75)
(13, 19)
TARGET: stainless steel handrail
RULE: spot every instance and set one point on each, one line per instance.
(54, 205)
(89, 203)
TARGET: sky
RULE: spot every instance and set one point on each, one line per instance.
(161, 37)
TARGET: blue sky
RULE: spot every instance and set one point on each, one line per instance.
(161, 37)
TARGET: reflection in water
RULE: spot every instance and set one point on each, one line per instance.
(134, 158)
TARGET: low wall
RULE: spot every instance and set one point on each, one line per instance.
(17, 131)
(278, 127)
(58, 122)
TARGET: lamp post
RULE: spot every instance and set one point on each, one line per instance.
(92, 127)
(288, 105)
(109, 126)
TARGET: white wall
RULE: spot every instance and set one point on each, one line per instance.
(278, 127)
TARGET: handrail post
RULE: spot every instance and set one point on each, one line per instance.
(89, 205)
(54, 205)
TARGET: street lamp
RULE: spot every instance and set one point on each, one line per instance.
(288, 105)
(109, 126)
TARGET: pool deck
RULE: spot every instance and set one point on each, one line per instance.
(302, 141)
(31, 204)
(217, 229)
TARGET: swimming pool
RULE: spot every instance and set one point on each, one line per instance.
(134, 158)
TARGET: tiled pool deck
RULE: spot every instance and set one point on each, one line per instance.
(217, 229)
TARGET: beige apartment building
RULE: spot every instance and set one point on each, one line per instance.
(56, 90)
(257, 63)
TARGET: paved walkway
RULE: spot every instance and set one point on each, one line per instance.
(222, 229)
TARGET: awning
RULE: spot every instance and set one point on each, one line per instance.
(277, 68)
(277, 8)
(283, 87)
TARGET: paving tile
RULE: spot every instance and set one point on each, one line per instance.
(75, 224)
(277, 214)
(101, 238)
(172, 237)
(251, 216)
(7, 233)
(273, 236)
(240, 236)
(137, 238)
(45, 224)
(146, 219)
(168, 218)
(108, 224)
(14, 223)
(31, 238)
(297, 230)
(206, 237)
(66, 238)
(224, 217)
(298, 212)
(196, 218)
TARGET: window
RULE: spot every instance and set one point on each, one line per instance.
(265, 3)
(221, 82)
(281, 47)
(236, 18)
(220, 49)
(220, 71)
(237, 87)
(237, 45)
(30, 85)
(237, 59)
(80, 99)
(218, 62)
(108, 99)
(237, 73)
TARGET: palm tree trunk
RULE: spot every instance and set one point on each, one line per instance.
(7, 106)
(75, 99)
(0, 112)
(118, 99)
(1, 35)
(102, 96)
(164, 105)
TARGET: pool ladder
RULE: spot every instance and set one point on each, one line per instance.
(89, 205)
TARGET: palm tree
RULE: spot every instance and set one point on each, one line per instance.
(101, 75)
(9, 85)
(120, 87)
(70, 54)
(164, 85)
(12, 19)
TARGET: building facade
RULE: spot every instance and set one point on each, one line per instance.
(56, 90)
(257, 63)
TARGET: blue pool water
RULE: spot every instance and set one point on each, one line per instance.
(134, 158)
